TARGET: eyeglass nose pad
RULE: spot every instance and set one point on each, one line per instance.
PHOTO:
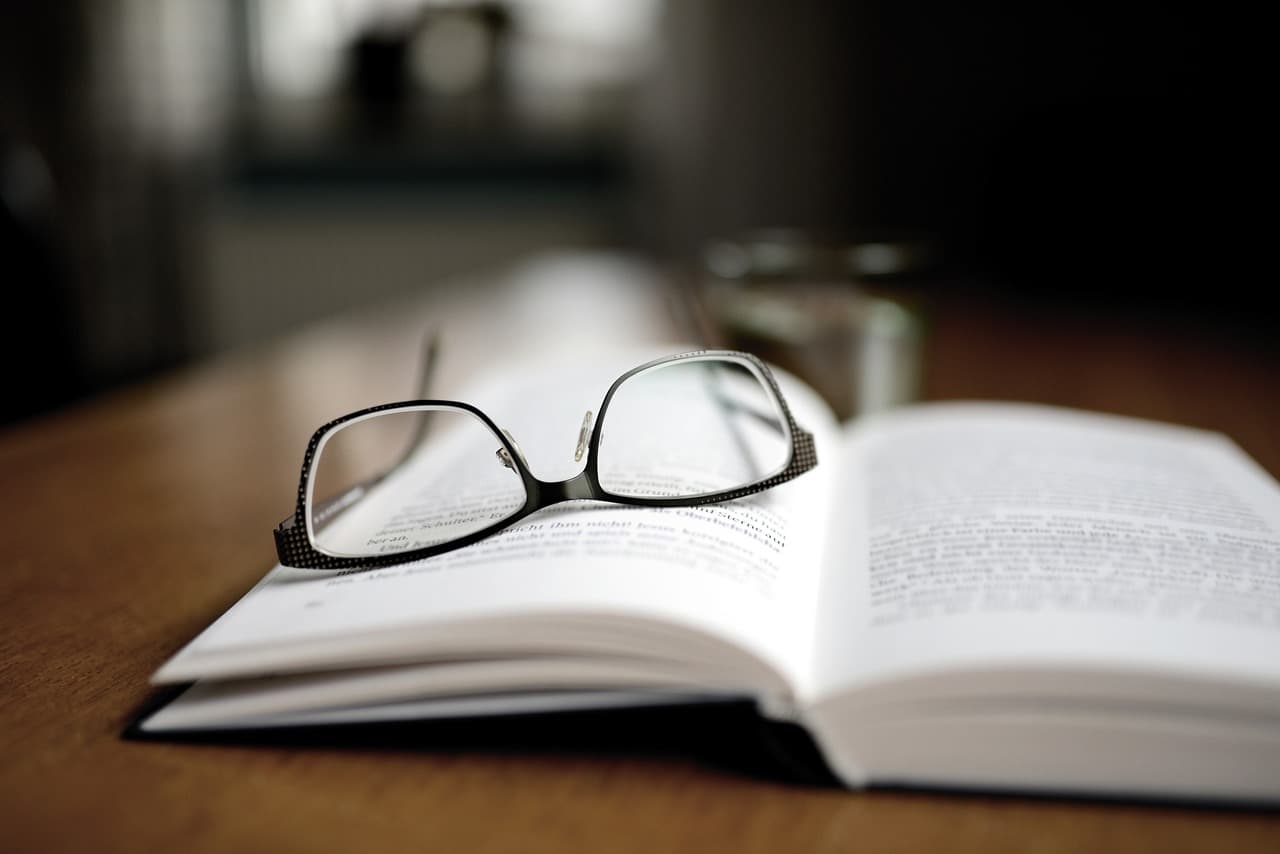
(505, 458)
(583, 433)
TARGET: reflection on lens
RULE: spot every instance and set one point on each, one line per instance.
(407, 479)
(692, 427)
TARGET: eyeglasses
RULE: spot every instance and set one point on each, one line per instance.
(410, 480)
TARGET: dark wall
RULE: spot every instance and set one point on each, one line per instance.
(1055, 148)
(91, 201)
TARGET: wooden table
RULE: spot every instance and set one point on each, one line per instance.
(130, 522)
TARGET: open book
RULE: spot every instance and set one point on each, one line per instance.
(961, 594)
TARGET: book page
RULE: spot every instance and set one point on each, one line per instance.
(1007, 536)
(583, 577)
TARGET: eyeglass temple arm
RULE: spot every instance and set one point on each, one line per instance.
(427, 358)
(426, 374)
(727, 406)
(327, 509)
(801, 438)
(765, 418)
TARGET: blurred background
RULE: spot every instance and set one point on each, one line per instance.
(182, 179)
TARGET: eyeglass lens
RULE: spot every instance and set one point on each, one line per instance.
(407, 479)
(689, 428)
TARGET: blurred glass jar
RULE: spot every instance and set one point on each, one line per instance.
(805, 306)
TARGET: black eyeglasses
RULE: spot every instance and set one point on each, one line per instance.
(410, 480)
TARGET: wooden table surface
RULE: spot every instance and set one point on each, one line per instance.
(132, 521)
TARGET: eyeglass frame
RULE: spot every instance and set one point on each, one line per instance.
(295, 549)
